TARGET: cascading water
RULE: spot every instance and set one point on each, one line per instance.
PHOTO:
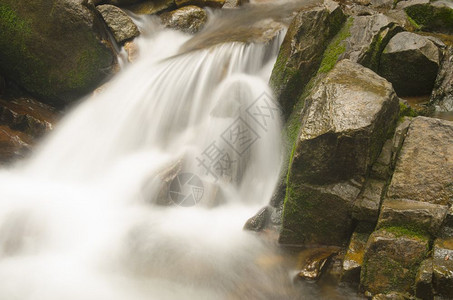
(83, 218)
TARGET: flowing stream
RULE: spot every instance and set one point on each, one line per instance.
(141, 192)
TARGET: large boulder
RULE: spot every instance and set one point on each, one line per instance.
(392, 259)
(299, 56)
(425, 166)
(410, 62)
(57, 50)
(119, 23)
(442, 96)
(345, 122)
(189, 19)
(435, 16)
(368, 36)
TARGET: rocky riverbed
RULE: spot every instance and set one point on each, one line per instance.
(365, 197)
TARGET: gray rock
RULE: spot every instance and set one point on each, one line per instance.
(442, 95)
(368, 37)
(345, 122)
(424, 280)
(190, 19)
(424, 168)
(366, 207)
(258, 221)
(412, 214)
(399, 137)
(299, 56)
(56, 50)
(410, 62)
(119, 23)
(382, 167)
(391, 261)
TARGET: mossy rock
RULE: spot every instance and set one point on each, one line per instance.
(392, 259)
(435, 17)
(299, 58)
(56, 50)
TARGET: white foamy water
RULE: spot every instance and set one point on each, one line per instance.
(79, 220)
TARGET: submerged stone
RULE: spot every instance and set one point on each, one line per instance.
(313, 262)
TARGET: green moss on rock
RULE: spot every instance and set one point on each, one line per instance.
(335, 48)
(431, 18)
(54, 50)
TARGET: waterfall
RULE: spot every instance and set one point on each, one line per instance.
(83, 219)
(142, 189)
